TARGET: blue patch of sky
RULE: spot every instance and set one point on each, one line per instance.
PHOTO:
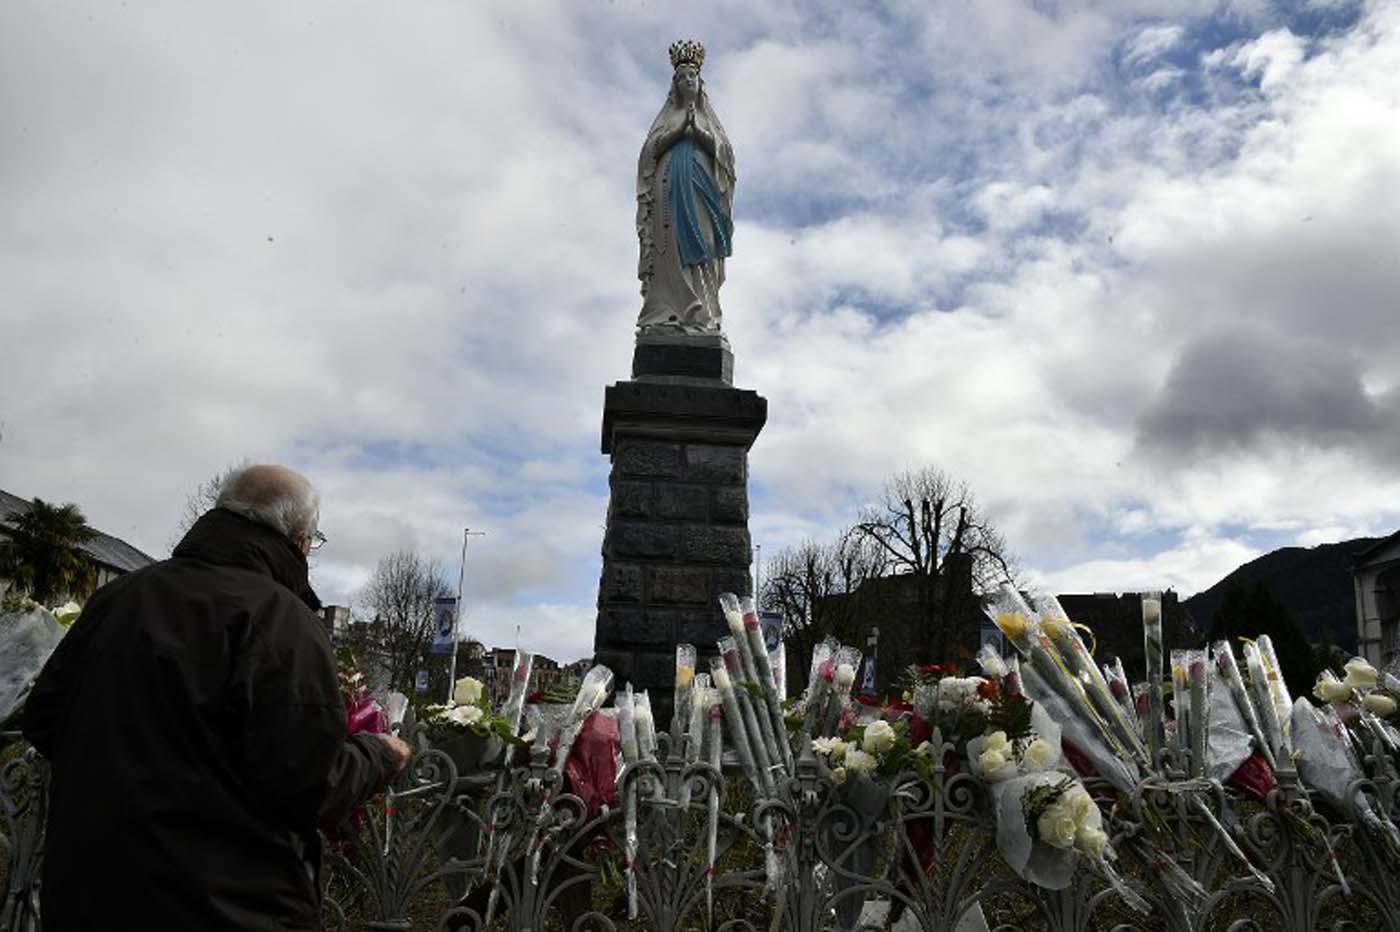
(1194, 87)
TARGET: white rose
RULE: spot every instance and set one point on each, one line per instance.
(1375, 703)
(838, 774)
(1092, 841)
(879, 737)
(857, 761)
(467, 691)
(1039, 755)
(1082, 806)
(1057, 827)
(1360, 674)
(989, 763)
(834, 748)
(1331, 691)
(845, 675)
(465, 714)
(997, 741)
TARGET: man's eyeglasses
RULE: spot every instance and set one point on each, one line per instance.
(317, 539)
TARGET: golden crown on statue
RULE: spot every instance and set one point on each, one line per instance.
(687, 52)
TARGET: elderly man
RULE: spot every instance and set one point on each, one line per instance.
(197, 733)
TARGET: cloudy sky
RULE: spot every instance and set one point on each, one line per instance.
(1129, 268)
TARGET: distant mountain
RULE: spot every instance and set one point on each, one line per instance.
(1313, 583)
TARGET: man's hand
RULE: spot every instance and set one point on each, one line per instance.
(400, 751)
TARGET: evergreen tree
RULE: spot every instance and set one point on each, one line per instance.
(43, 554)
(1251, 610)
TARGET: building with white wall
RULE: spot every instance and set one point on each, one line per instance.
(1376, 577)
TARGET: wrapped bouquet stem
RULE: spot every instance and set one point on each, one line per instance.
(1278, 688)
(844, 677)
(1181, 708)
(695, 733)
(1230, 676)
(756, 723)
(819, 687)
(1264, 702)
(1198, 685)
(763, 668)
(1011, 614)
(1154, 723)
(714, 753)
(1079, 662)
(685, 684)
(738, 731)
(625, 703)
(1122, 690)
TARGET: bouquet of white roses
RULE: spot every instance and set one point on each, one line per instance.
(1046, 819)
(469, 712)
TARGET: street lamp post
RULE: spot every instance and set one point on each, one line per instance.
(467, 534)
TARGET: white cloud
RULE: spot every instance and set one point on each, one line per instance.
(1152, 43)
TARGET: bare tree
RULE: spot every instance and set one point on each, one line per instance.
(819, 589)
(198, 502)
(928, 526)
(398, 600)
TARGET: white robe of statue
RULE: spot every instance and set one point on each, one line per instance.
(684, 211)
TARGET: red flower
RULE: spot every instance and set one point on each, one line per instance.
(988, 690)
(873, 701)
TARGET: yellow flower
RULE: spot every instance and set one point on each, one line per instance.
(1376, 704)
(1331, 690)
(1360, 674)
(1013, 624)
(685, 676)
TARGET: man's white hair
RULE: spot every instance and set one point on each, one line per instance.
(276, 496)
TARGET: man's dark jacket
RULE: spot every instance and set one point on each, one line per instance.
(197, 736)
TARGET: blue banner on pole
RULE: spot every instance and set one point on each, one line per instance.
(444, 624)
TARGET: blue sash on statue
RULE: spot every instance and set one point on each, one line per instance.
(691, 185)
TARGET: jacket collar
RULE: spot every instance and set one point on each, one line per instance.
(225, 538)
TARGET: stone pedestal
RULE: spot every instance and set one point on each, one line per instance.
(677, 531)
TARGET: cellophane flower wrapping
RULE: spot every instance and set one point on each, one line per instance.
(734, 718)
(624, 702)
(757, 728)
(1231, 679)
(1198, 682)
(771, 704)
(1181, 706)
(26, 641)
(646, 725)
(1279, 746)
(1229, 743)
(1076, 729)
(1278, 687)
(520, 672)
(1154, 722)
(1075, 656)
(684, 685)
(1328, 764)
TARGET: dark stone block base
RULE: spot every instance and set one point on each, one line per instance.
(677, 532)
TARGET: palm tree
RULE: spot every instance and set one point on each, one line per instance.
(43, 552)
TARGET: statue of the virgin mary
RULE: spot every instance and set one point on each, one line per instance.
(685, 197)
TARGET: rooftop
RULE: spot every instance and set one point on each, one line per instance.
(103, 548)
